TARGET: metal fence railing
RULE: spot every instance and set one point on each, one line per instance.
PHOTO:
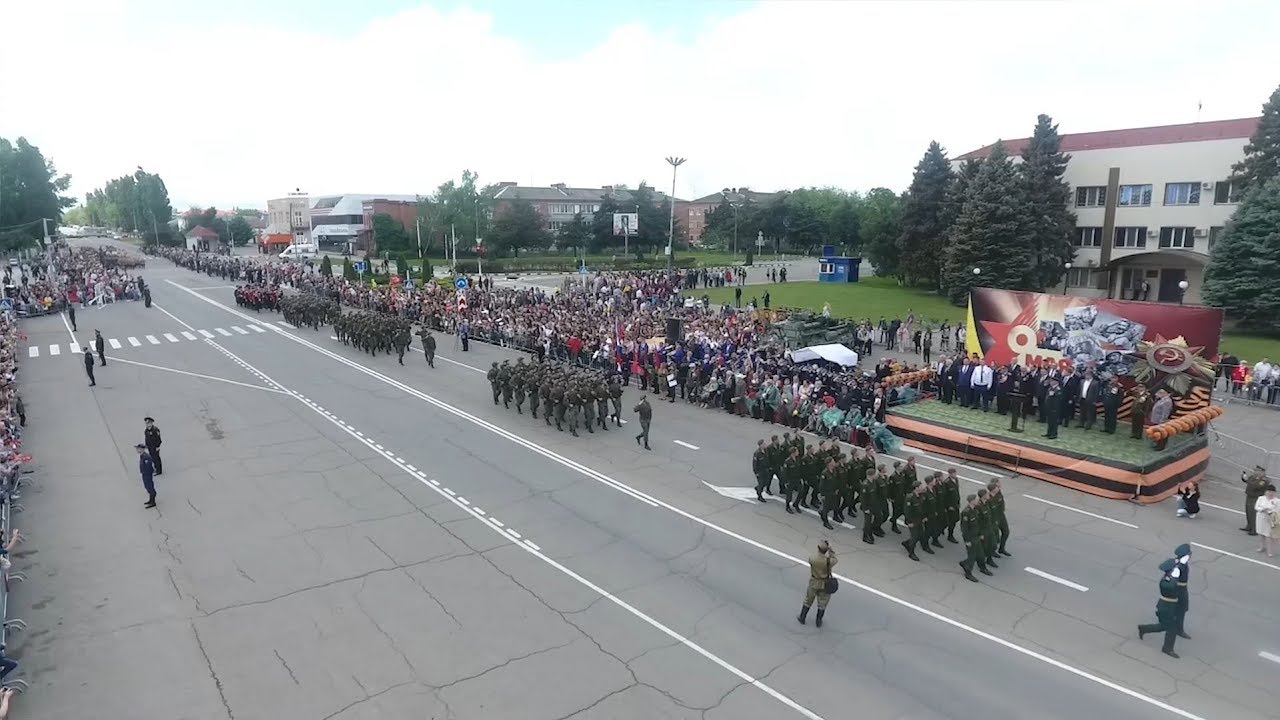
(1244, 455)
(9, 482)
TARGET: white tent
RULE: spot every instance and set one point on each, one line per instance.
(835, 353)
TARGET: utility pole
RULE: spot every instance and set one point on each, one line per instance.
(418, 223)
(453, 235)
(675, 163)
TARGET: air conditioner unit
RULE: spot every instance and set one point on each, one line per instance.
(1201, 232)
(1153, 233)
(1206, 186)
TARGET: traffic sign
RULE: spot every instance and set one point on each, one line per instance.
(460, 283)
(583, 270)
(462, 303)
(359, 266)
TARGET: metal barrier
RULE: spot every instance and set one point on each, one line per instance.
(1244, 455)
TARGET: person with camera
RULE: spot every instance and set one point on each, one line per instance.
(822, 583)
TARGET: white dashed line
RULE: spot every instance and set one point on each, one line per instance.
(434, 482)
(1269, 656)
(152, 339)
(55, 349)
(1077, 510)
(188, 335)
(412, 468)
(33, 351)
(451, 493)
(134, 342)
(1219, 507)
(1238, 557)
(239, 329)
(206, 333)
(222, 332)
(1055, 578)
(513, 534)
(530, 544)
(463, 500)
(496, 521)
(115, 344)
(685, 444)
(378, 446)
(478, 510)
(255, 328)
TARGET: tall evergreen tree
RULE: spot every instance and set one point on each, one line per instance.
(880, 220)
(988, 232)
(1241, 275)
(1262, 155)
(924, 217)
(1049, 221)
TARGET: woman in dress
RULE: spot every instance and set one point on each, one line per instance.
(1268, 509)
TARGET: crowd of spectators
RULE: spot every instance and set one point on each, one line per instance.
(13, 418)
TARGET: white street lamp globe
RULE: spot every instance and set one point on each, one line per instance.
(1183, 284)
(977, 271)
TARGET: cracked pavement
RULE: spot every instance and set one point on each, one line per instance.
(291, 571)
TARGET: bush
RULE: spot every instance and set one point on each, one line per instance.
(348, 270)
(568, 264)
(426, 270)
(326, 267)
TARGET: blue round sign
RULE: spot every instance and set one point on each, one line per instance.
(460, 283)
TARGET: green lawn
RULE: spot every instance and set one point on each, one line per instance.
(705, 259)
(869, 298)
(1251, 348)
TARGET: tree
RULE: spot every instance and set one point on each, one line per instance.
(574, 234)
(925, 218)
(1048, 222)
(326, 266)
(240, 231)
(602, 237)
(751, 258)
(1262, 155)
(518, 227)
(348, 270)
(390, 236)
(988, 233)
(402, 266)
(1241, 275)
(463, 208)
(30, 190)
(880, 224)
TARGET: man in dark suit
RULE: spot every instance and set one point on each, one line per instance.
(1112, 397)
(1089, 395)
(964, 379)
(1069, 386)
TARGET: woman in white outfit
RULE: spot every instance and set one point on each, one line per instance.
(1268, 519)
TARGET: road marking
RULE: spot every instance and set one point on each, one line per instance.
(75, 349)
(685, 444)
(291, 327)
(33, 351)
(1078, 510)
(495, 521)
(1219, 507)
(412, 468)
(206, 333)
(55, 349)
(255, 328)
(188, 335)
(115, 344)
(198, 375)
(748, 494)
(239, 329)
(513, 533)
(1269, 656)
(66, 324)
(1238, 557)
(478, 510)
(152, 339)
(134, 341)
(222, 332)
(535, 547)
(463, 500)
(1055, 578)
(802, 562)
(957, 461)
(171, 337)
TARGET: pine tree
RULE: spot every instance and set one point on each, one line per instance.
(924, 218)
(1241, 275)
(1262, 155)
(988, 233)
(1049, 222)
(348, 270)
(326, 266)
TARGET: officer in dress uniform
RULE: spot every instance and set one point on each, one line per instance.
(148, 471)
(971, 531)
(1181, 574)
(151, 438)
(760, 467)
(1166, 610)
(1112, 397)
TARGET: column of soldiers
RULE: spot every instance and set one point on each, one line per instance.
(566, 394)
(374, 332)
(824, 479)
(308, 310)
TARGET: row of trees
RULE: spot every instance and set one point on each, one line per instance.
(31, 190)
(234, 230)
(1242, 272)
(134, 203)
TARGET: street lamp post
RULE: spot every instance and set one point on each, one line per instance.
(1182, 290)
(675, 163)
(1066, 279)
(735, 230)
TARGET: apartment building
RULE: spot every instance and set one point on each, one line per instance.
(1149, 203)
(558, 203)
(694, 213)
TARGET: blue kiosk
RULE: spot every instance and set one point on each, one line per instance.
(834, 268)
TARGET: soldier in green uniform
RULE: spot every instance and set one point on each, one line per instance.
(1138, 412)
(971, 531)
(615, 398)
(792, 469)
(428, 346)
(504, 383)
(602, 403)
(936, 505)
(572, 402)
(818, 590)
(1181, 574)
(1052, 409)
(1112, 397)
(951, 504)
(897, 496)
(829, 486)
(777, 453)
(401, 338)
(1166, 610)
(544, 393)
(913, 517)
(493, 382)
(871, 490)
(518, 379)
(760, 467)
(988, 548)
(644, 412)
(588, 401)
(558, 399)
(996, 497)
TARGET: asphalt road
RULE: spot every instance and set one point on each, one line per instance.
(342, 537)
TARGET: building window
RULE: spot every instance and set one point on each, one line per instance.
(1088, 237)
(1131, 237)
(1214, 234)
(1080, 277)
(1094, 196)
(826, 268)
(1134, 195)
(1178, 237)
(560, 209)
(1226, 192)
(1182, 193)
(595, 208)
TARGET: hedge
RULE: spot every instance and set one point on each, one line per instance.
(568, 264)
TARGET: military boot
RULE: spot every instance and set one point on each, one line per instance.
(818, 619)
(968, 571)
(804, 613)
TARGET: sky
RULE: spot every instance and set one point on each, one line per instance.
(237, 101)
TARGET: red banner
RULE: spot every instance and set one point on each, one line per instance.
(1115, 337)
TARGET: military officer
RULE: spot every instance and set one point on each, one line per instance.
(821, 583)
(602, 404)
(428, 346)
(558, 400)
(829, 487)
(1166, 610)
(1112, 398)
(615, 397)
(586, 396)
(494, 382)
(761, 468)
(544, 392)
(996, 495)
(504, 383)
(1255, 486)
(971, 531)
(1181, 574)
(518, 380)
(571, 404)
(950, 486)
(792, 468)
(871, 500)
(988, 547)
(1052, 408)
(644, 411)
(897, 496)
(913, 517)
(1138, 413)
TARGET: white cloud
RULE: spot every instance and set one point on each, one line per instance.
(780, 95)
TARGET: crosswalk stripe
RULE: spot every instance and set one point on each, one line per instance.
(223, 332)
(152, 339)
(55, 349)
(134, 342)
(188, 335)
(281, 322)
(75, 349)
(206, 333)
(33, 351)
(255, 328)
(115, 344)
(171, 337)
(239, 329)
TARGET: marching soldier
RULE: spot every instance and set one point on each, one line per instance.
(996, 495)
(935, 512)
(1181, 574)
(971, 531)
(913, 516)
(829, 486)
(1166, 610)
(615, 397)
(820, 583)
(548, 403)
(602, 405)
(897, 496)
(400, 338)
(517, 384)
(558, 400)
(760, 466)
(493, 382)
(987, 548)
(504, 383)
(645, 412)
(870, 507)
(429, 347)
(790, 477)
(588, 408)
(950, 487)
(571, 403)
